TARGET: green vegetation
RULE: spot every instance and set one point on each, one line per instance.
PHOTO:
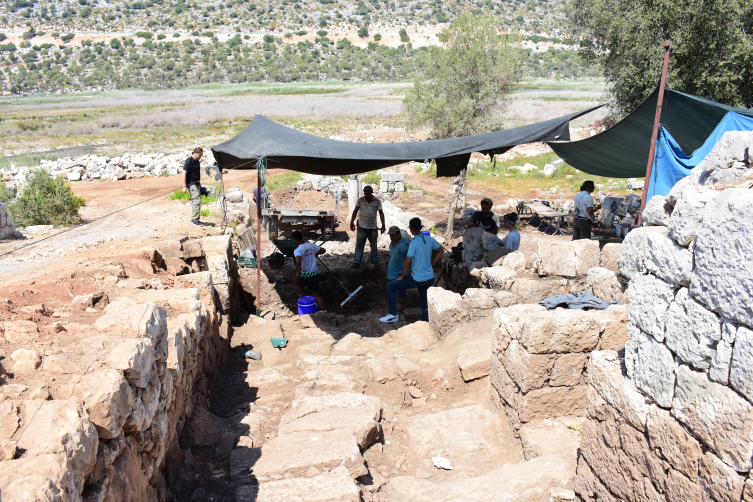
(45, 201)
(179, 195)
(461, 88)
(205, 212)
(711, 54)
(284, 180)
(371, 178)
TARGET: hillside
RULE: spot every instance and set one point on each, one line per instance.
(168, 44)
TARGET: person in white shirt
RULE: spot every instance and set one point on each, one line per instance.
(307, 273)
(512, 240)
(583, 210)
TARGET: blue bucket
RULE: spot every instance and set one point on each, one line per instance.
(306, 305)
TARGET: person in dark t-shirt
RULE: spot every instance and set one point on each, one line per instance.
(485, 218)
(192, 183)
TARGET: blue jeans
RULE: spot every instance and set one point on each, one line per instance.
(408, 283)
(361, 235)
(401, 293)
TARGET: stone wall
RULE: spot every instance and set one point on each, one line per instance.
(540, 356)
(7, 227)
(95, 413)
(671, 417)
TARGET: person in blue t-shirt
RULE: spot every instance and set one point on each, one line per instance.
(398, 254)
(423, 253)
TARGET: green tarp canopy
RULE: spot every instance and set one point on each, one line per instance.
(622, 151)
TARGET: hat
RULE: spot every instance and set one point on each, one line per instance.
(393, 230)
(415, 224)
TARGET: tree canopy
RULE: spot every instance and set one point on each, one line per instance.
(712, 48)
(462, 88)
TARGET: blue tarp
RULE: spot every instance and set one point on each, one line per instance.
(670, 162)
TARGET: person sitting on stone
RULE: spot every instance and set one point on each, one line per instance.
(485, 218)
(512, 239)
(307, 273)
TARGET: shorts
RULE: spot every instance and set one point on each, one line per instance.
(310, 283)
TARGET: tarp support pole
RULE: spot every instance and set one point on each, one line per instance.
(657, 118)
(259, 199)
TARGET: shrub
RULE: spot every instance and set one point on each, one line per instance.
(176, 35)
(2, 37)
(377, 37)
(301, 33)
(144, 34)
(161, 36)
(363, 32)
(45, 201)
(68, 37)
(207, 34)
(322, 33)
(371, 178)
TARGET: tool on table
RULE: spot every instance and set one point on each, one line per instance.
(351, 296)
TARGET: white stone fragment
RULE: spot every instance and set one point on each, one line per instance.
(741, 368)
(650, 298)
(657, 211)
(655, 371)
(688, 213)
(631, 258)
(668, 260)
(692, 332)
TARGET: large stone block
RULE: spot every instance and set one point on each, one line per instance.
(609, 255)
(655, 371)
(721, 482)
(107, 398)
(295, 453)
(631, 258)
(446, 310)
(688, 213)
(650, 298)
(536, 290)
(566, 258)
(147, 319)
(732, 146)
(38, 478)
(133, 357)
(692, 332)
(474, 359)
(723, 244)
(357, 413)
(717, 415)
(333, 486)
(603, 283)
(515, 261)
(497, 277)
(606, 378)
(508, 323)
(21, 331)
(568, 370)
(478, 299)
(415, 336)
(741, 367)
(559, 332)
(528, 371)
(473, 247)
(680, 449)
(657, 211)
(668, 260)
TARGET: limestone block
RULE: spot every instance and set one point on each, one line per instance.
(559, 332)
(474, 359)
(478, 299)
(294, 453)
(473, 247)
(613, 322)
(732, 146)
(462, 434)
(536, 290)
(200, 280)
(9, 419)
(508, 323)
(589, 487)
(655, 371)
(515, 261)
(528, 371)
(603, 283)
(220, 244)
(392, 177)
(657, 211)
(496, 256)
(62, 428)
(717, 415)
(42, 477)
(525, 481)
(686, 183)
(416, 336)
(381, 370)
(608, 258)
(25, 361)
(334, 486)
(497, 277)
(219, 267)
(668, 260)
(606, 378)
(692, 332)
(176, 266)
(355, 412)
(192, 249)
(680, 449)
(505, 298)
(549, 402)
(107, 398)
(741, 368)
(688, 213)
(147, 319)
(650, 298)
(446, 310)
(21, 331)
(556, 258)
(134, 357)
(720, 481)
(719, 369)
(631, 258)
(568, 370)
(549, 437)
(719, 281)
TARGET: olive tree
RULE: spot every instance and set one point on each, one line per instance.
(463, 87)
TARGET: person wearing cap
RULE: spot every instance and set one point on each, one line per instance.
(398, 254)
(368, 206)
(423, 253)
(485, 218)
(307, 273)
(512, 239)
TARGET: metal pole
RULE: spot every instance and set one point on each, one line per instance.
(259, 199)
(667, 46)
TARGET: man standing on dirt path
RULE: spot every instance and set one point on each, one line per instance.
(307, 273)
(192, 183)
(369, 206)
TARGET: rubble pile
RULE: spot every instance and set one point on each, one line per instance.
(91, 167)
(94, 411)
(673, 418)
